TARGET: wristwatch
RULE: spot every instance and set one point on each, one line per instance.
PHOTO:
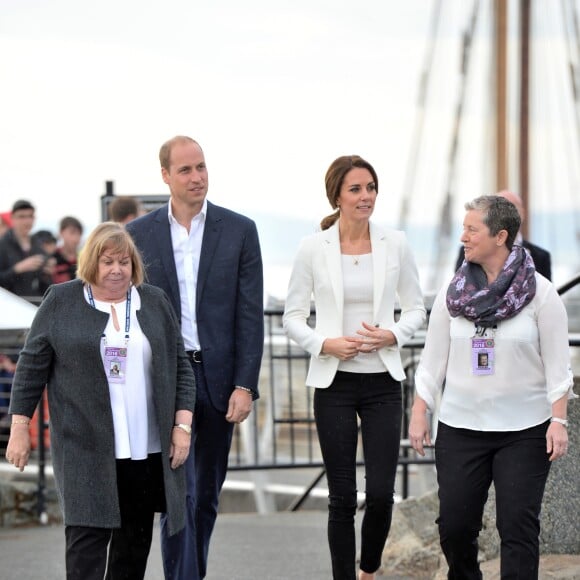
(558, 420)
(183, 427)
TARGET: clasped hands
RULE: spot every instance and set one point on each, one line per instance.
(370, 338)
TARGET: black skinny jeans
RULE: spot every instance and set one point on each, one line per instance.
(376, 399)
(467, 462)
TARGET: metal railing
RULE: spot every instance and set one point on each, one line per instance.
(280, 433)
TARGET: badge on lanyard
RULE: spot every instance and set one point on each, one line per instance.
(116, 363)
(482, 355)
(115, 357)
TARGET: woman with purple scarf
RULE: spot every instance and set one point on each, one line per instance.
(498, 341)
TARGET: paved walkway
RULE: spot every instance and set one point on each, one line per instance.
(244, 547)
(279, 546)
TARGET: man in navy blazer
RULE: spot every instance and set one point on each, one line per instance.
(208, 261)
(542, 258)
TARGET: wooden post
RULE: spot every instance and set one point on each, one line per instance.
(525, 18)
(501, 106)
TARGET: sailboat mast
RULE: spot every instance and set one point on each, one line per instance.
(525, 19)
(501, 96)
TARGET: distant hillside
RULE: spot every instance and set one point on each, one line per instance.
(280, 237)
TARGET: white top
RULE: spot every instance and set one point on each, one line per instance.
(317, 272)
(186, 252)
(357, 275)
(532, 366)
(134, 417)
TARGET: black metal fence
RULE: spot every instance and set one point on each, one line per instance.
(280, 433)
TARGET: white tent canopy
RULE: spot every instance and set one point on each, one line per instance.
(15, 312)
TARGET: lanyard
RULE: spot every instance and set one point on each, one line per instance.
(127, 308)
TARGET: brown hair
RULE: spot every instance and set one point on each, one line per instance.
(165, 151)
(123, 207)
(70, 222)
(335, 178)
(109, 236)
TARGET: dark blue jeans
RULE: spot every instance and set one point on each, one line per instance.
(376, 400)
(467, 462)
(185, 553)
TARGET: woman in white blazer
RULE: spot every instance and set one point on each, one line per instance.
(356, 272)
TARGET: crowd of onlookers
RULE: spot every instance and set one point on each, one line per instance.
(30, 261)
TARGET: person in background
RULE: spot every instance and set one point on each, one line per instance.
(356, 271)
(46, 240)
(5, 222)
(542, 258)
(7, 368)
(119, 442)
(207, 258)
(25, 269)
(502, 417)
(124, 209)
(70, 233)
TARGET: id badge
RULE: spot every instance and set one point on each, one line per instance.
(115, 363)
(482, 356)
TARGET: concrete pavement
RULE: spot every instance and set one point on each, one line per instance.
(244, 547)
(280, 546)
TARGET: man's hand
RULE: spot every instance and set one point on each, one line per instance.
(30, 264)
(240, 406)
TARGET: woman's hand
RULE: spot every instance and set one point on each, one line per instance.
(343, 347)
(556, 441)
(18, 448)
(179, 449)
(375, 338)
(419, 428)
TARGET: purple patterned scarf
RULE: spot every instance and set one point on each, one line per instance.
(470, 296)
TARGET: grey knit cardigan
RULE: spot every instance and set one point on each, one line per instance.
(62, 352)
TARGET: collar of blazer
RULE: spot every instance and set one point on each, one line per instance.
(331, 246)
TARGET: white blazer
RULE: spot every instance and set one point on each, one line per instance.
(318, 271)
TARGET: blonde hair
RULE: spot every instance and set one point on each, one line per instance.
(114, 237)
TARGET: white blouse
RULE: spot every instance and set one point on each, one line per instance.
(357, 276)
(134, 417)
(531, 368)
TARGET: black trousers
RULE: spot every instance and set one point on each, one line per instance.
(376, 399)
(141, 494)
(467, 462)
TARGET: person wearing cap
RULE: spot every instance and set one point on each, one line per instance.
(23, 263)
(5, 222)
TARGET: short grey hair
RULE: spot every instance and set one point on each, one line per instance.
(498, 214)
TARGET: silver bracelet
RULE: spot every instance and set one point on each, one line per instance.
(246, 389)
(559, 420)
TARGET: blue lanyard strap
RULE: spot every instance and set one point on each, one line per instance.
(127, 308)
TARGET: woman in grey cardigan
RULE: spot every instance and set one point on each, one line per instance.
(121, 393)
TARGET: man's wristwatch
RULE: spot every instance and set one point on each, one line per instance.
(558, 420)
(183, 427)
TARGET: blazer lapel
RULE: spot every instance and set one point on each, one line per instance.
(211, 235)
(162, 239)
(331, 249)
(380, 258)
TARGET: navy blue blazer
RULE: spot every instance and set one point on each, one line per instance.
(229, 303)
